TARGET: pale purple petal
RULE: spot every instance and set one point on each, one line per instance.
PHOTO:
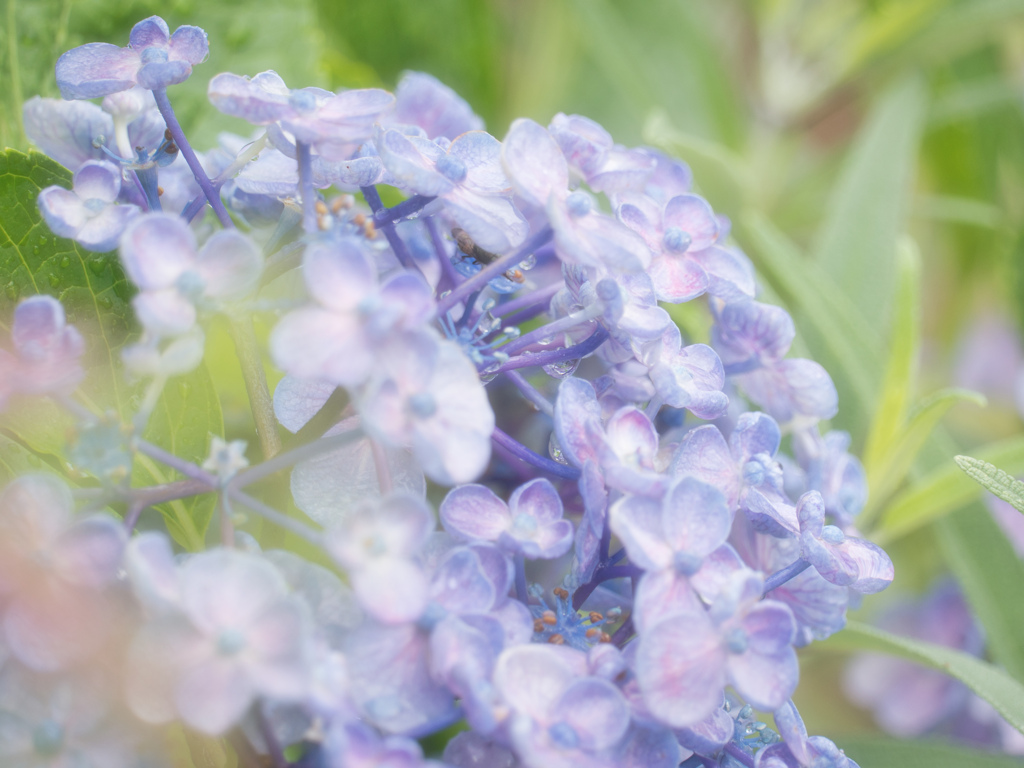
(89, 553)
(228, 589)
(596, 712)
(421, 99)
(637, 521)
(62, 210)
(296, 401)
(64, 130)
(577, 412)
(390, 589)
(102, 232)
(461, 585)
(189, 44)
(704, 454)
(678, 279)
(164, 312)
(695, 518)
(156, 249)
(317, 344)
(213, 695)
(230, 265)
(754, 433)
(730, 275)
(412, 163)
(693, 216)
(96, 69)
(534, 163)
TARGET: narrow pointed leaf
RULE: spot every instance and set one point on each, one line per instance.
(880, 752)
(994, 480)
(1000, 690)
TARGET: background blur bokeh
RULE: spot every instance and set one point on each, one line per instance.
(851, 142)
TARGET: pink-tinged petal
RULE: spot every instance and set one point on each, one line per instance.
(296, 401)
(422, 100)
(360, 106)
(583, 142)
(662, 595)
(576, 413)
(680, 666)
(261, 101)
(230, 264)
(716, 571)
(516, 620)
(164, 312)
(588, 532)
(643, 215)
(550, 541)
(632, 436)
(694, 216)
(149, 31)
(409, 297)
(531, 678)
(637, 520)
(321, 345)
(276, 651)
(793, 731)
(189, 44)
(64, 130)
(34, 511)
(710, 734)
(63, 211)
(96, 69)
(461, 584)
(596, 711)
(392, 590)
(149, 562)
(534, 163)
(412, 163)
(224, 588)
(704, 454)
(475, 512)
(537, 498)
(103, 231)
(875, 569)
(156, 658)
(810, 511)
(755, 433)
(213, 695)
(338, 274)
(51, 625)
(156, 249)
(481, 154)
(89, 553)
(776, 756)
(494, 223)
(678, 279)
(774, 516)
(272, 173)
(695, 517)
(766, 674)
(623, 170)
(97, 179)
(730, 276)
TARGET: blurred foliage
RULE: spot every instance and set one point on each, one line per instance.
(870, 154)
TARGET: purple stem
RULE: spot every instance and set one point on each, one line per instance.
(278, 519)
(524, 315)
(164, 105)
(584, 348)
(305, 157)
(396, 213)
(531, 393)
(623, 633)
(187, 468)
(194, 208)
(447, 269)
(157, 494)
(734, 751)
(549, 330)
(522, 593)
(783, 575)
(492, 270)
(524, 454)
(372, 197)
(601, 575)
(142, 190)
(528, 300)
(295, 456)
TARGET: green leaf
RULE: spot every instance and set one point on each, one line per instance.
(886, 475)
(1000, 690)
(994, 480)
(904, 339)
(15, 461)
(824, 314)
(857, 242)
(991, 574)
(185, 417)
(943, 490)
(876, 752)
(92, 287)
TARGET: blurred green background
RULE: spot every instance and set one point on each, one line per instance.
(870, 154)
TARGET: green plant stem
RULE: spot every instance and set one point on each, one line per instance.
(260, 400)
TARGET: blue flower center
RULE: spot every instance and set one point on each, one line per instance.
(833, 535)
(524, 525)
(230, 642)
(736, 640)
(564, 736)
(579, 204)
(451, 168)
(48, 738)
(686, 564)
(423, 405)
(676, 240)
(153, 55)
(191, 285)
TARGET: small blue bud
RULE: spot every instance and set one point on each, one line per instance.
(153, 55)
(736, 640)
(833, 535)
(423, 405)
(230, 642)
(564, 736)
(676, 240)
(302, 101)
(579, 204)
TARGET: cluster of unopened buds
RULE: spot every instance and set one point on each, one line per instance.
(625, 562)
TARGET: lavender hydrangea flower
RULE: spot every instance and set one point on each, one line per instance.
(530, 524)
(153, 59)
(591, 153)
(424, 101)
(47, 351)
(88, 214)
(160, 255)
(799, 750)
(236, 635)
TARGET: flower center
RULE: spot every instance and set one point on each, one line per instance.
(423, 405)
(230, 642)
(676, 240)
(48, 738)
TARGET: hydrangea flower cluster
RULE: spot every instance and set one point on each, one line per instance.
(626, 561)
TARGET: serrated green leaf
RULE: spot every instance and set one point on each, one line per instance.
(856, 244)
(943, 490)
(991, 574)
(892, 467)
(875, 752)
(185, 417)
(1003, 692)
(904, 338)
(91, 287)
(994, 480)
